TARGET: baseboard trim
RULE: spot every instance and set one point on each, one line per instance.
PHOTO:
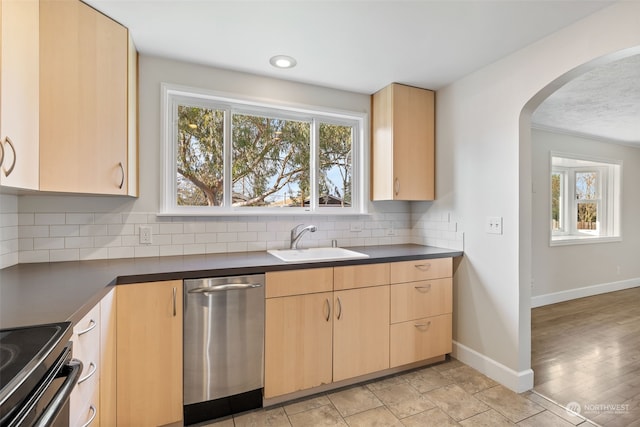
(587, 291)
(514, 380)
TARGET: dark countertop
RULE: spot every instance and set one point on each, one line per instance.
(53, 292)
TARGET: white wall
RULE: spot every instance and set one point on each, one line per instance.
(562, 272)
(484, 169)
(67, 228)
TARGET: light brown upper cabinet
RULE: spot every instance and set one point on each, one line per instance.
(403, 148)
(19, 74)
(84, 59)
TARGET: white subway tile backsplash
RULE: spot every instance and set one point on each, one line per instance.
(48, 243)
(64, 230)
(43, 237)
(79, 218)
(49, 218)
(58, 255)
(78, 242)
(26, 219)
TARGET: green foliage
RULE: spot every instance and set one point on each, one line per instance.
(269, 156)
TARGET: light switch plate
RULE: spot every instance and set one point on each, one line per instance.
(493, 225)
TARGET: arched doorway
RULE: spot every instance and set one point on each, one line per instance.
(532, 226)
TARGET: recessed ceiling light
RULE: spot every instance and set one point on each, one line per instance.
(283, 61)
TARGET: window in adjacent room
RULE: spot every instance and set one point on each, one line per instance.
(585, 199)
(233, 156)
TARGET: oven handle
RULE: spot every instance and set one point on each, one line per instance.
(72, 371)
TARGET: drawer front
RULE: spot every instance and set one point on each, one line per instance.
(421, 269)
(298, 282)
(416, 300)
(360, 276)
(86, 340)
(420, 339)
(84, 406)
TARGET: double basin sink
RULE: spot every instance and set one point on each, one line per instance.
(315, 254)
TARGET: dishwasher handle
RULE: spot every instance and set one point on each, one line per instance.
(227, 287)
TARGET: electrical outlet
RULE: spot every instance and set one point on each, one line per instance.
(145, 235)
(357, 227)
(493, 225)
(391, 231)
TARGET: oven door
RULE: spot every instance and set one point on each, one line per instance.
(48, 405)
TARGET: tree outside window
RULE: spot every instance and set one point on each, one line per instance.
(230, 157)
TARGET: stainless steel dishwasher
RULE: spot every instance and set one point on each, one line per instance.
(223, 346)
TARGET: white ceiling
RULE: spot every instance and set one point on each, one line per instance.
(602, 103)
(354, 45)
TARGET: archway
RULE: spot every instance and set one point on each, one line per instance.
(527, 184)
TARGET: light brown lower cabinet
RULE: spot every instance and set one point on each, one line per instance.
(321, 336)
(360, 332)
(298, 343)
(420, 339)
(149, 354)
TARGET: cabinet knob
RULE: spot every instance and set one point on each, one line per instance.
(397, 186)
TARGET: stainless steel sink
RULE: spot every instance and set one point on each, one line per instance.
(315, 254)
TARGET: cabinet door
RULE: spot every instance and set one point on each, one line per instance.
(83, 100)
(403, 156)
(360, 332)
(19, 94)
(413, 143)
(297, 343)
(149, 353)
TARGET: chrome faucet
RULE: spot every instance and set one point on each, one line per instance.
(296, 236)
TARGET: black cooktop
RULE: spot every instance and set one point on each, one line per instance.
(26, 354)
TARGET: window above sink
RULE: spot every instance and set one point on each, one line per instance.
(228, 156)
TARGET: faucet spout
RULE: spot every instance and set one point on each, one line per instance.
(297, 235)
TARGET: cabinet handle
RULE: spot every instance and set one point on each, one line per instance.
(425, 288)
(397, 186)
(1, 152)
(94, 412)
(423, 325)
(423, 267)
(328, 309)
(122, 180)
(92, 324)
(92, 370)
(175, 312)
(339, 308)
(15, 156)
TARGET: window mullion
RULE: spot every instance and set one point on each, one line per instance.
(228, 159)
(314, 172)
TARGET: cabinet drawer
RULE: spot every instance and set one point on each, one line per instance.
(421, 269)
(416, 300)
(86, 340)
(84, 407)
(298, 282)
(420, 339)
(359, 276)
(82, 397)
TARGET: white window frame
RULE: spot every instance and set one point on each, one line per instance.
(609, 188)
(172, 95)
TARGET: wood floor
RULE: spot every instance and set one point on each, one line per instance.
(587, 351)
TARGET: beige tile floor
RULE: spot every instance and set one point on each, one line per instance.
(446, 394)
